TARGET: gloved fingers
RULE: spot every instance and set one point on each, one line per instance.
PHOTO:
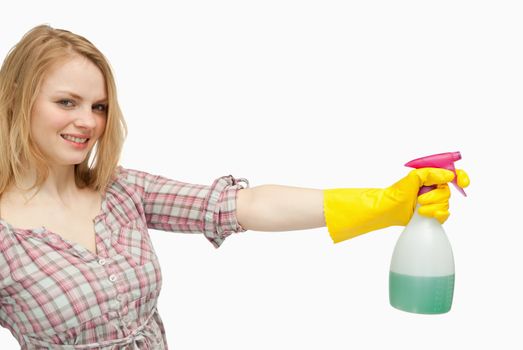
(442, 216)
(438, 195)
(463, 178)
(417, 178)
(432, 176)
(440, 211)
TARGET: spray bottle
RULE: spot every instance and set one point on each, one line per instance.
(421, 278)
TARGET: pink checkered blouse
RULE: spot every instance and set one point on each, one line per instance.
(56, 294)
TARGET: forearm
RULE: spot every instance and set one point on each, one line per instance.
(279, 208)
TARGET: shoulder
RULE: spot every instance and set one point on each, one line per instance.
(132, 176)
(132, 180)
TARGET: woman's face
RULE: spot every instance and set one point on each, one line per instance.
(72, 103)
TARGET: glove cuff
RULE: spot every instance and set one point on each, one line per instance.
(350, 212)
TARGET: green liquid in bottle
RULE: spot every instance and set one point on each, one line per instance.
(421, 295)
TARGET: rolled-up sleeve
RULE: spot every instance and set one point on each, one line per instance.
(171, 205)
(220, 209)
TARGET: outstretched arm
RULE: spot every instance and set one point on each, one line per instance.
(279, 208)
(347, 212)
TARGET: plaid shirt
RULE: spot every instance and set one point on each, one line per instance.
(57, 294)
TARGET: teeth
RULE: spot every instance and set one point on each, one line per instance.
(74, 139)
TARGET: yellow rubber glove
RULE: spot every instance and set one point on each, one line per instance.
(350, 212)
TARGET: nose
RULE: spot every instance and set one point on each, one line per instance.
(86, 118)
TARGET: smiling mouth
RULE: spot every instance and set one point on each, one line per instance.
(74, 139)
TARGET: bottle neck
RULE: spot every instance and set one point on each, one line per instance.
(418, 218)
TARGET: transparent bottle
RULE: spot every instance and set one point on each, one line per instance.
(421, 278)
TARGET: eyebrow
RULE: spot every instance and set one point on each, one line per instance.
(78, 97)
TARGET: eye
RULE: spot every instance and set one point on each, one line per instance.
(66, 103)
(100, 107)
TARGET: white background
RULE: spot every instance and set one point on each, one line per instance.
(318, 94)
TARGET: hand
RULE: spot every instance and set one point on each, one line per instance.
(435, 203)
(350, 212)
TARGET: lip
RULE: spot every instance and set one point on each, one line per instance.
(81, 136)
(76, 145)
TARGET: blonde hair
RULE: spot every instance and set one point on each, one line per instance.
(21, 77)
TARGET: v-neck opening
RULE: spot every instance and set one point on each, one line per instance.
(76, 246)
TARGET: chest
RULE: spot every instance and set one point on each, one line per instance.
(75, 228)
(72, 224)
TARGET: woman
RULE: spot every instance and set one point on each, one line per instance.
(77, 267)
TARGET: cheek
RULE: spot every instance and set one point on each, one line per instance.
(101, 123)
(47, 116)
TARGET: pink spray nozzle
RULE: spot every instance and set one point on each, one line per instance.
(441, 160)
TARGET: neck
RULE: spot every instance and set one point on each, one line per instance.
(59, 186)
